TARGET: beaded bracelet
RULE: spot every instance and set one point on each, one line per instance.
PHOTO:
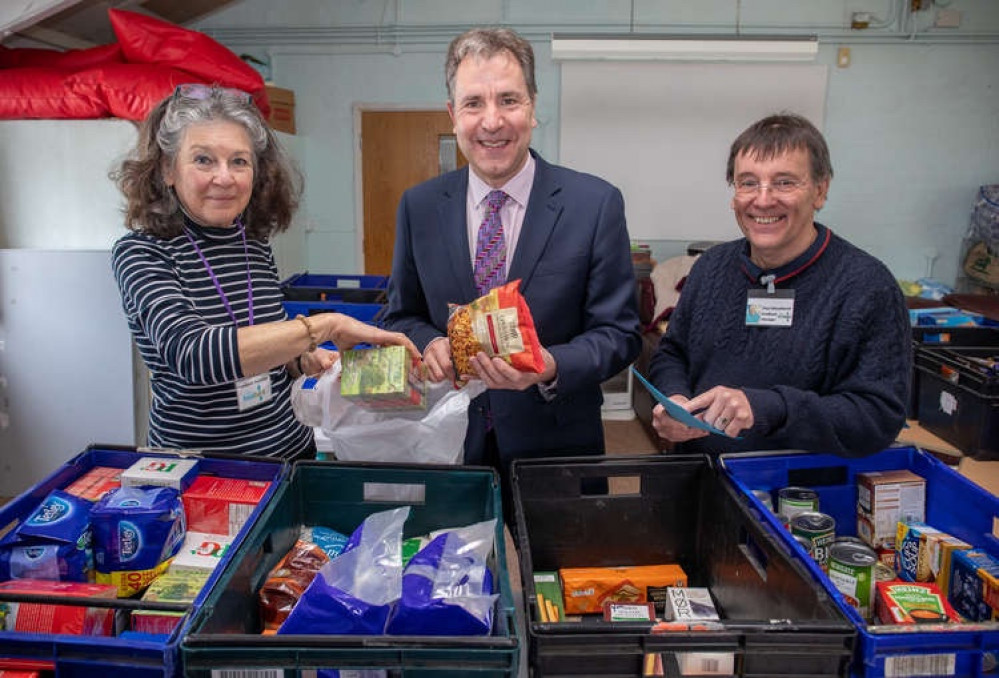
(313, 342)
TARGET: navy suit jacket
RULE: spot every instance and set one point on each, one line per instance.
(574, 263)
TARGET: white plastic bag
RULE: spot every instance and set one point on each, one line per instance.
(433, 436)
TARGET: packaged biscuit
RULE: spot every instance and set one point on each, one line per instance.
(912, 557)
(586, 588)
(499, 324)
(288, 580)
(221, 505)
(385, 378)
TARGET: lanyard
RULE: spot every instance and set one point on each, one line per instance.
(215, 280)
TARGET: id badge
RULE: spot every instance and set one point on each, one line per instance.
(765, 309)
(253, 391)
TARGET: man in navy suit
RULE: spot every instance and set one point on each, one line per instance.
(566, 241)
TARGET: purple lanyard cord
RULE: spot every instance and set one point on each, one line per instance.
(215, 280)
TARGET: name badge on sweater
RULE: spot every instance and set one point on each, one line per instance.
(253, 391)
(769, 309)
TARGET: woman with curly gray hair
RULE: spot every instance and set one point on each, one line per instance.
(206, 187)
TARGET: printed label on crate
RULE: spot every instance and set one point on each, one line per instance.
(904, 666)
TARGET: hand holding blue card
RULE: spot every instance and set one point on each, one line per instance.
(677, 412)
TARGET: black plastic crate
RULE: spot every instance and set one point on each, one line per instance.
(933, 336)
(776, 619)
(226, 634)
(958, 399)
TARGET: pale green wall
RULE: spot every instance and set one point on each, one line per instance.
(913, 123)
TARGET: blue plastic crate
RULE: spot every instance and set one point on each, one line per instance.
(329, 287)
(226, 632)
(954, 504)
(369, 313)
(97, 656)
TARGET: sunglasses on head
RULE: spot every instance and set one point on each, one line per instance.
(200, 92)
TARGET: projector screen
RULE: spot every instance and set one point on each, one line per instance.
(661, 132)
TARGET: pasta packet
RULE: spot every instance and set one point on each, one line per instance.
(499, 324)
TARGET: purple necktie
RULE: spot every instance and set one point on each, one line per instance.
(490, 246)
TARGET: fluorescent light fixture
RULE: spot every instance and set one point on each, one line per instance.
(683, 48)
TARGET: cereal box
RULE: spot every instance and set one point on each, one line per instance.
(383, 379)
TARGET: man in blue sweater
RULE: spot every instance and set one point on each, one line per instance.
(789, 338)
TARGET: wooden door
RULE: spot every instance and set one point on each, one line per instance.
(399, 149)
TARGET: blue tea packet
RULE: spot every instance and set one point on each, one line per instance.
(137, 528)
(30, 558)
(60, 517)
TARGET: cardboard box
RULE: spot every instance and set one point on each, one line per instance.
(586, 588)
(221, 505)
(282, 101)
(382, 379)
(201, 552)
(161, 472)
(883, 499)
(46, 618)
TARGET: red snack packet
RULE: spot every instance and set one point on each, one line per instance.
(499, 323)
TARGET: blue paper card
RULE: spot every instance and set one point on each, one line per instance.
(677, 412)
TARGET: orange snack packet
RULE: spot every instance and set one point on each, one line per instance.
(585, 589)
(499, 324)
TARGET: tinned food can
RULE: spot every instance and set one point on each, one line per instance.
(794, 500)
(764, 497)
(820, 531)
(852, 571)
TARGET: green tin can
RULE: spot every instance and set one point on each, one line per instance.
(852, 568)
(794, 500)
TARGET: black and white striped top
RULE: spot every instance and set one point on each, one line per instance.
(188, 341)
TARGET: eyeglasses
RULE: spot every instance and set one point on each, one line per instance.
(200, 92)
(753, 186)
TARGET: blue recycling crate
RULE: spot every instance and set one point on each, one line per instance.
(226, 632)
(954, 504)
(356, 289)
(70, 656)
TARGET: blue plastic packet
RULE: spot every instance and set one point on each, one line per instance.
(31, 558)
(60, 517)
(353, 593)
(136, 531)
(330, 541)
(447, 588)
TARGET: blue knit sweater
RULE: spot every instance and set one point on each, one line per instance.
(835, 381)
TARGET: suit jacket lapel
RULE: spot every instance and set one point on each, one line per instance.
(454, 232)
(543, 210)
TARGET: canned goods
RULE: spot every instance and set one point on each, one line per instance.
(852, 540)
(764, 497)
(805, 543)
(820, 531)
(852, 571)
(794, 500)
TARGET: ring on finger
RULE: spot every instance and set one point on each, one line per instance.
(721, 423)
